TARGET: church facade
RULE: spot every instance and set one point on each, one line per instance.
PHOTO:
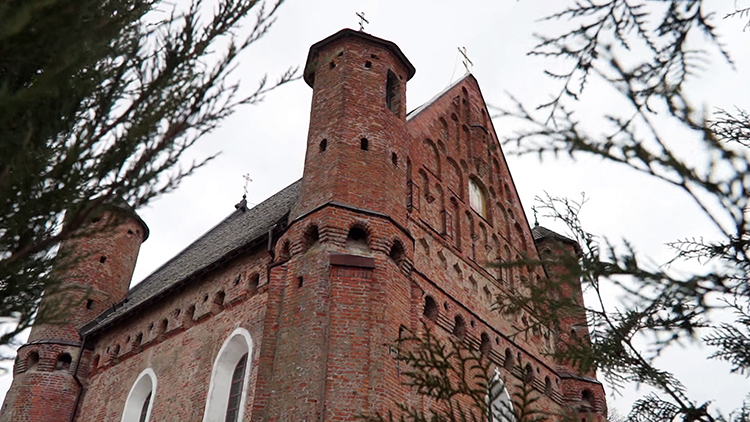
(286, 311)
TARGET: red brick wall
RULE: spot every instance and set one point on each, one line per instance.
(349, 104)
(182, 357)
(328, 308)
(87, 278)
(47, 392)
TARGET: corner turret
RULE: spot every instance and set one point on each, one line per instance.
(583, 393)
(357, 141)
(93, 273)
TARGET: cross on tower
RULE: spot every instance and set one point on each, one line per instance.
(242, 205)
(247, 178)
(362, 21)
(468, 64)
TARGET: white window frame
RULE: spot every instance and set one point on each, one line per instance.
(235, 346)
(500, 409)
(144, 385)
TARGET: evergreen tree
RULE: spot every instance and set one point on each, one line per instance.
(646, 51)
(98, 102)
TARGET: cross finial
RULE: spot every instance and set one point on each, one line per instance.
(242, 205)
(468, 64)
(247, 178)
(362, 21)
(536, 221)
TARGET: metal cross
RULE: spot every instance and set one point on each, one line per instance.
(468, 64)
(362, 21)
(247, 178)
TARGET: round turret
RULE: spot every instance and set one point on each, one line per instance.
(357, 140)
(93, 273)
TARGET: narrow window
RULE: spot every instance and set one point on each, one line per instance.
(89, 303)
(32, 361)
(485, 347)
(459, 328)
(397, 252)
(63, 362)
(364, 144)
(144, 409)
(140, 402)
(219, 298)
(508, 364)
(357, 239)
(102, 259)
(587, 397)
(529, 374)
(235, 391)
(430, 308)
(253, 285)
(477, 199)
(392, 96)
(323, 145)
(228, 388)
(312, 236)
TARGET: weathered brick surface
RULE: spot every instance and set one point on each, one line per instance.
(101, 269)
(323, 306)
(181, 351)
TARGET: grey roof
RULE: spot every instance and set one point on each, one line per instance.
(540, 233)
(237, 230)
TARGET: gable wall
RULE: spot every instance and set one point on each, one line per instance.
(454, 244)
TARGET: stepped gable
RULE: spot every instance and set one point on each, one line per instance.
(237, 230)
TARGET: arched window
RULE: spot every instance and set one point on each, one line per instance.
(231, 372)
(477, 198)
(63, 362)
(392, 93)
(235, 391)
(500, 405)
(459, 327)
(32, 361)
(141, 398)
(430, 308)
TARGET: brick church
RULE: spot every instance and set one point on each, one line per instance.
(285, 311)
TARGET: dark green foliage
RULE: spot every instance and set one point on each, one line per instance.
(459, 380)
(646, 52)
(98, 101)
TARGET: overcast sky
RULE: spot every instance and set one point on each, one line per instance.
(268, 141)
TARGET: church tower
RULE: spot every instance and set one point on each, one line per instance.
(339, 287)
(94, 274)
(357, 141)
(582, 392)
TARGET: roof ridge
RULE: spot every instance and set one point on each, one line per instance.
(410, 115)
(235, 231)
